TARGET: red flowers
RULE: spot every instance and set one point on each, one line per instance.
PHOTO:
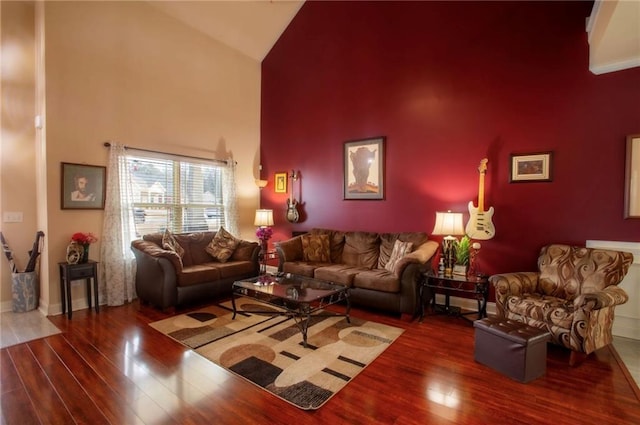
(84, 238)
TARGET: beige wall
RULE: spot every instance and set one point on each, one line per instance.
(17, 147)
(125, 71)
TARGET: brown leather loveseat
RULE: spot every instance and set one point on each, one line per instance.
(366, 262)
(182, 270)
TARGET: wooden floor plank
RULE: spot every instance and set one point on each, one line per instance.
(134, 374)
(50, 408)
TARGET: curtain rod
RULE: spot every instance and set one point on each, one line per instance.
(108, 144)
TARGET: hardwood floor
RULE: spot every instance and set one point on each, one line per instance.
(113, 368)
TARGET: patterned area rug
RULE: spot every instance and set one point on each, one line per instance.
(268, 351)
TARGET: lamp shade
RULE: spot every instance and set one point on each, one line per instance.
(448, 224)
(263, 218)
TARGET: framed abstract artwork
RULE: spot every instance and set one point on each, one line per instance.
(532, 167)
(364, 169)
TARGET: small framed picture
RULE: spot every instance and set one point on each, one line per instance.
(364, 169)
(280, 182)
(83, 186)
(532, 167)
(632, 178)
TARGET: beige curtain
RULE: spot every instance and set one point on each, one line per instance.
(117, 263)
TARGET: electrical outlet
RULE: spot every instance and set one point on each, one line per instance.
(12, 217)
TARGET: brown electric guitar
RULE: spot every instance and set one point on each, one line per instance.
(292, 205)
(480, 225)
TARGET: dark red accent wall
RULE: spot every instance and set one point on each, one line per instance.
(449, 83)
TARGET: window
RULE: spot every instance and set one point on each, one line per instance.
(182, 195)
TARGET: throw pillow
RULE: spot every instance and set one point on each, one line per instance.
(400, 249)
(170, 243)
(222, 245)
(315, 248)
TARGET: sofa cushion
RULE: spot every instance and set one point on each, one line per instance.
(361, 249)
(400, 249)
(315, 248)
(543, 308)
(336, 242)
(302, 268)
(170, 243)
(222, 245)
(234, 268)
(194, 245)
(244, 251)
(387, 240)
(195, 275)
(378, 280)
(338, 273)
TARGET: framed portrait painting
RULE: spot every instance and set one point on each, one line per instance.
(364, 169)
(83, 186)
(533, 167)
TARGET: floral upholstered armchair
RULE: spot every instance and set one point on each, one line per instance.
(572, 295)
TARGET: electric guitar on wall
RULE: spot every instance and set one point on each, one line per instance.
(480, 225)
(292, 211)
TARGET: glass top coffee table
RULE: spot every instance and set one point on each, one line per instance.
(297, 297)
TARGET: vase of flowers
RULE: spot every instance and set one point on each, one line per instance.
(264, 233)
(83, 241)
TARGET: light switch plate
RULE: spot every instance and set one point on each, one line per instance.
(12, 217)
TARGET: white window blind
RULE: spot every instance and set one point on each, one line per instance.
(182, 195)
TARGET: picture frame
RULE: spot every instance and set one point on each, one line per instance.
(632, 178)
(83, 187)
(531, 167)
(364, 168)
(280, 182)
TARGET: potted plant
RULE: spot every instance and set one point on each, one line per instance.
(462, 255)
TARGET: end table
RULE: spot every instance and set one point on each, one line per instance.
(478, 286)
(70, 272)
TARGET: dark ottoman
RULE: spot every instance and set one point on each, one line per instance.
(512, 348)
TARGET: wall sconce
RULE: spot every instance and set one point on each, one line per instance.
(261, 183)
(448, 224)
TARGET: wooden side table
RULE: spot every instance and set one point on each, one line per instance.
(70, 272)
(477, 286)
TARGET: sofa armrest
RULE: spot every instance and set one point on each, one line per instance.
(609, 296)
(508, 284)
(156, 278)
(420, 256)
(289, 250)
(152, 249)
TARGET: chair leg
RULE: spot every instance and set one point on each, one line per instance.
(576, 358)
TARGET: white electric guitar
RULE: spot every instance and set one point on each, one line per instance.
(480, 225)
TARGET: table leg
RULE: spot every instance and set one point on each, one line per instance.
(68, 288)
(233, 304)
(348, 309)
(63, 295)
(87, 283)
(95, 293)
(421, 301)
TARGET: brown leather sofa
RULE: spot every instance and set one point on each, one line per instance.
(165, 279)
(360, 261)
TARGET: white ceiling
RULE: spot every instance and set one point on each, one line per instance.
(250, 26)
(253, 27)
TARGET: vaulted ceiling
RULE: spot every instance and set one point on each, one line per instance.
(249, 26)
(253, 27)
